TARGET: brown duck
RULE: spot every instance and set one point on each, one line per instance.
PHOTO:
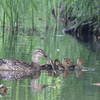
(66, 62)
(50, 65)
(47, 66)
(77, 66)
(17, 65)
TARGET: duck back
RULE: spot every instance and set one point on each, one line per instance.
(6, 64)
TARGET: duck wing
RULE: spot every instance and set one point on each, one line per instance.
(6, 64)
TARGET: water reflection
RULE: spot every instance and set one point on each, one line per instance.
(34, 75)
(35, 87)
(3, 90)
(71, 83)
(17, 75)
(79, 73)
(66, 73)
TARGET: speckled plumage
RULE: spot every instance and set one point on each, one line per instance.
(17, 65)
(6, 64)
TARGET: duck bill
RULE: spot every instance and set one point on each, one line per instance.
(44, 56)
(83, 62)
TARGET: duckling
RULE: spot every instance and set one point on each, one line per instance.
(48, 66)
(80, 61)
(78, 65)
(52, 64)
(58, 64)
(49, 61)
(6, 64)
(66, 62)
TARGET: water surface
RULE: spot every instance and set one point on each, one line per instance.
(48, 86)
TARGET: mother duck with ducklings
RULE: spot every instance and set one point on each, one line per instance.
(17, 65)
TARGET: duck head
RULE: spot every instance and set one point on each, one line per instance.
(38, 53)
(57, 62)
(80, 61)
(66, 61)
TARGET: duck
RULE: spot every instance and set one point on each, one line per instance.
(58, 64)
(51, 65)
(66, 62)
(17, 65)
(77, 66)
(47, 66)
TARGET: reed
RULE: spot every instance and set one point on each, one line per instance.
(80, 10)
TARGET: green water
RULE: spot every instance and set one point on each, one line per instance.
(47, 35)
(71, 87)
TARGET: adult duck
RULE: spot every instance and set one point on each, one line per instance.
(17, 65)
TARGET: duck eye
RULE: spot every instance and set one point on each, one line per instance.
(39, 51)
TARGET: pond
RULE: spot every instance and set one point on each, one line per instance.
(45, 85)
